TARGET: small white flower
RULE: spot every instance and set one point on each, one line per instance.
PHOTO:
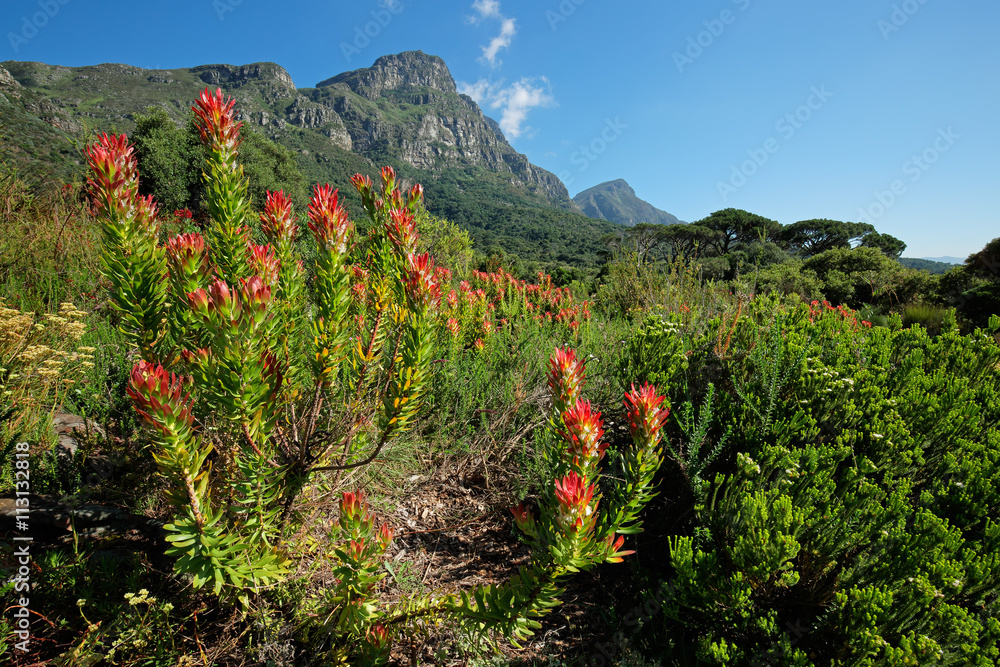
(877, 435)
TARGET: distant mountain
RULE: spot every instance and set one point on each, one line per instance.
(929, 265)
(616, 201)
(946, 259)
(403, 111)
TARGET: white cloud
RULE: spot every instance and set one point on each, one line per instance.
(490, 9)
(479, 91)
(514, 101)
(507, 31)
(486, 9)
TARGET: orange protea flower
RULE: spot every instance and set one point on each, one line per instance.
(388, 179)
(584, 430)
(263, 263)
(255, 293)
(422, 289)
(613, 546)
(352, 505)
(186, 255)
(402, 230)
(645, 415)
(113, 181)
(216, 120)
(159, 397)
(574, 496)
(565, 375)
(524, 519)
(384, 536)
(276, 220)
(328, 220)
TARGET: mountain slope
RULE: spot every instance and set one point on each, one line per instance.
(616, 201)
(404, 111)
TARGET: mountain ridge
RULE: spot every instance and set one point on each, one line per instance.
(616, 201)
(403, 111)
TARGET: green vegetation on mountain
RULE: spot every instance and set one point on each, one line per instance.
(930, 266)
(616, 201)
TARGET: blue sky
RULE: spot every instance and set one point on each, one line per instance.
(883, 110)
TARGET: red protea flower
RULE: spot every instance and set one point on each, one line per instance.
(145, 212)
(359, 293)
(453, 326)
(183, 213)
(524, 519)
(422, 290)
(384, 536)
(378, 637)
(645, 415)
(222, 298)
(276, 220)
(328, 220)
(263, 263)
(217, 305)
(574, 496)
(402, 230)
(216, 121)
(362, 183)
(388, 179)
(159, 397)
(352, 505)
(479, 344)
(565, 376)
(443, 274)
(612, 547)
(584, 430)
(255, 294)
(186, 256)
(357, 550)
(414, 196)
(113, 180)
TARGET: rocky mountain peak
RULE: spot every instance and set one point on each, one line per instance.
(616, 201)
(397, 72)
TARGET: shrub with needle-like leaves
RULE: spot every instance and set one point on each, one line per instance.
(255, 393)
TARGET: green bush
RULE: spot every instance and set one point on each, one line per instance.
(850, 516)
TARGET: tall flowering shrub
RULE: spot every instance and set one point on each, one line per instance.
(252, 390)
(245, 402)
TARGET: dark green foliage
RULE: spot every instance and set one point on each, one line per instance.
(986, 263)
(736, 227)
(851, 520)
(935, 268)
(811, 237)
(172, 158)
(890, 245)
